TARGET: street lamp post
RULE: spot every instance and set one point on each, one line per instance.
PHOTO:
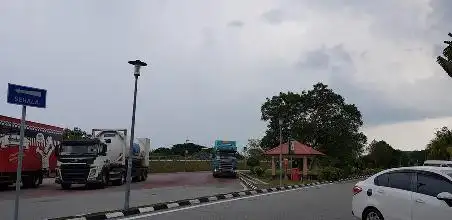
(137, 65)
(186, 152)
(281, 151)
(245, 154)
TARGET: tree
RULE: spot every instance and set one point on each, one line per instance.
(440, 146)
(191, 148)
(75, 134)
(318, 117)
(254, 149)
(383, 154)
(446, 61)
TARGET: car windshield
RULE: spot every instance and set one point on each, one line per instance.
(81, 150)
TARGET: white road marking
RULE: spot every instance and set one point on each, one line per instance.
(243, 185)
(255, 180)
(208, 204)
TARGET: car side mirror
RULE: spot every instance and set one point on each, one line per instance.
(446, 196)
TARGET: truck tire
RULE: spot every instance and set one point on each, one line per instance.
(119, 182)
(145, 175)
(65, 185)
(4, 186)
(31, 181)
(104, 181)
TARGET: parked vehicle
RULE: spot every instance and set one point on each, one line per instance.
(406, 193)
(101, 159)
(438, 163)
(39, 156)
(224, 161)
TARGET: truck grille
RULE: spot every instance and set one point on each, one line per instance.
(74, 172)
(226, 164)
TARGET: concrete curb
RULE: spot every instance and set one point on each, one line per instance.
(195, 201)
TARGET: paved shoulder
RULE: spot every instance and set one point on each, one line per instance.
(332, 201)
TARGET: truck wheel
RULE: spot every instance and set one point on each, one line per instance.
(120, 181)
(66, 185)
(35, 181)
(30, 181)
(3, 186)
(145, 175)
(104, 182)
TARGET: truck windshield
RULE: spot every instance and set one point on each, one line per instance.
(80, 150)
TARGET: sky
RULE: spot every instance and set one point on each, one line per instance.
(211, 64)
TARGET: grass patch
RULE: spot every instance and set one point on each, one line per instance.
(274, 180)
(189, 166)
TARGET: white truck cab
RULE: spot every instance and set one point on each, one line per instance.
(101, 159)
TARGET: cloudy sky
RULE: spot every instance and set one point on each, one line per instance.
(213, 63)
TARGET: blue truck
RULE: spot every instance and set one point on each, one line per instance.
(224, 161)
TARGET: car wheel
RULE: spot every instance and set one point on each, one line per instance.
(372, 214)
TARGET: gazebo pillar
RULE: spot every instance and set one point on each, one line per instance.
(273, 166)
(305, 166)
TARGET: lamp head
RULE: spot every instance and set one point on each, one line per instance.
(137, 64)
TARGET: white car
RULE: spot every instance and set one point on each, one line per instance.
(405, 193)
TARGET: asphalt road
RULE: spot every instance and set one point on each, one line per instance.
(51, 201)
(328, 202)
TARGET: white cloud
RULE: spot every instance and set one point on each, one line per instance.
(207, 78)
(408, 135)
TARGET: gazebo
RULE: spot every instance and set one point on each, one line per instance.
(298, 150)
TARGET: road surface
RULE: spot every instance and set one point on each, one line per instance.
(327, 202)
(51, 201)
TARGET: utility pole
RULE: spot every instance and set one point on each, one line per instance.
(281, 152)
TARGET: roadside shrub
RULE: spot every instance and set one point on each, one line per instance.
(253, 162)
(371, 171)
(330, 173)
(258, 171)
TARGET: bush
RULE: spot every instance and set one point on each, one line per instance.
(253, 162)
(330, 173)
(258, 171)
(370, 171)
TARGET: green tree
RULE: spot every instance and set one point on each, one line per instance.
(318, 117)
(439, 147)
(254, 149)
(179, 149)
(75, 134)
(383, 154)
(446, 61)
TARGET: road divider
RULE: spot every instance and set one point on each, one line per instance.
(195, 201)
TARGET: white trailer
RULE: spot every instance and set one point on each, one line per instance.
(101, 159)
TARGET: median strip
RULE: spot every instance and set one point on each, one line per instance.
(188, 202)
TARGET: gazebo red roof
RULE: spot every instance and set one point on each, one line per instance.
(299, 149)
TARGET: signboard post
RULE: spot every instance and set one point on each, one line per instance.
(25, 96)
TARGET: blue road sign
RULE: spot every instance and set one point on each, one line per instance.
(28, 96)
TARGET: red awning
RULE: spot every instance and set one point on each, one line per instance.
(298, 149)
